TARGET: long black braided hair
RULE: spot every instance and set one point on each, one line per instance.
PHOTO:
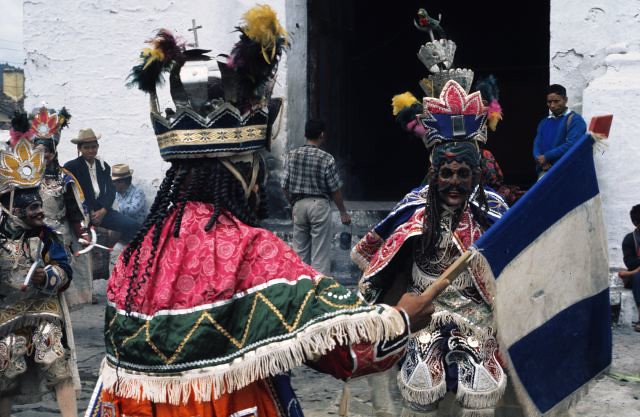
(206, 180)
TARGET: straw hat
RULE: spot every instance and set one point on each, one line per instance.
(120, 171)
(85, 136)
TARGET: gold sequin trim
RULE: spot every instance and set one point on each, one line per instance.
(212, 136)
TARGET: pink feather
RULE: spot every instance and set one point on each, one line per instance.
(494, 114)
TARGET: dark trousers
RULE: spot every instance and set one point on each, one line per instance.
(117, 221)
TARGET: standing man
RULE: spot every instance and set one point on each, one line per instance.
(558, 131)
(631, 254)
(130, 199)
(94, 176)
(310, 180)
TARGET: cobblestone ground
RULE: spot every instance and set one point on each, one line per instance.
(320, 393)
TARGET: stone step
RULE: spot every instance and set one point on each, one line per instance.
(364, 216)
(621, 300)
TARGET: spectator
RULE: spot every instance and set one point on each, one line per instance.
(310, 179)
(94, 176)
(631, 254)
(131, 199)
(558, 131)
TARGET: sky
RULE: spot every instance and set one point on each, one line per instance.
(11, 33)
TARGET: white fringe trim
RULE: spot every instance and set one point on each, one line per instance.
(481, 270)
(479, 400)
(359, 260)
(423, 396)
(261, 363)
(422, 280)
(442, 318)
(29, 321)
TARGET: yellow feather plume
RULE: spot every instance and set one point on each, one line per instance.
(262, 26)
(149, 55)
(402, 101)
(493, 119)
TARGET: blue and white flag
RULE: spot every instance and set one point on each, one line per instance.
(548, 255)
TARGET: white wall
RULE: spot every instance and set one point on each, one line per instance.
(583, 34)
(581, 30)
(79, 53)
(618, 92)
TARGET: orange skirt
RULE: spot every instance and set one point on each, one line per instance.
(253, 400)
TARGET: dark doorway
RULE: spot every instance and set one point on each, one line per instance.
(362, 53)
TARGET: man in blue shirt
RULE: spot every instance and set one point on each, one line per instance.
(558, 131)
(131, 199)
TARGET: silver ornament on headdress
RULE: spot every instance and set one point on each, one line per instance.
(437, 55)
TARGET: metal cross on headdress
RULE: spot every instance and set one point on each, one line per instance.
(194, 29)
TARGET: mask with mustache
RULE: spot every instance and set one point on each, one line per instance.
(460, 188)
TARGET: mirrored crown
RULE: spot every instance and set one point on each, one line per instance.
(433, 85)
(437, 55)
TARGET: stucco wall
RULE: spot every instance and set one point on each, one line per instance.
(581, 30)
(617, 92)
(78, 54)
(583, 34)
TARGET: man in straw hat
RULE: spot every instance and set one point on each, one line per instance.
(130, 199)
(36, 341)
(94, 176)
(242, 307)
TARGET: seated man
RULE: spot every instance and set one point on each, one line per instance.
(631, 253)
(131, 199)
(558, 131)
(94, 177)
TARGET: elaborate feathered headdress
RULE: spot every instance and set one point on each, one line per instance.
(43, 124)
(215, 116)
(448, 113)
(455, 116)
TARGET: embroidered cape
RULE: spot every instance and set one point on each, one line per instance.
(223, 309)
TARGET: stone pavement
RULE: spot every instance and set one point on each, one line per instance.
(320, 393)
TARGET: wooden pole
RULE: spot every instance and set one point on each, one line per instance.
(343, 409)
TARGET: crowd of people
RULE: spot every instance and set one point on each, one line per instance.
(208, 312)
